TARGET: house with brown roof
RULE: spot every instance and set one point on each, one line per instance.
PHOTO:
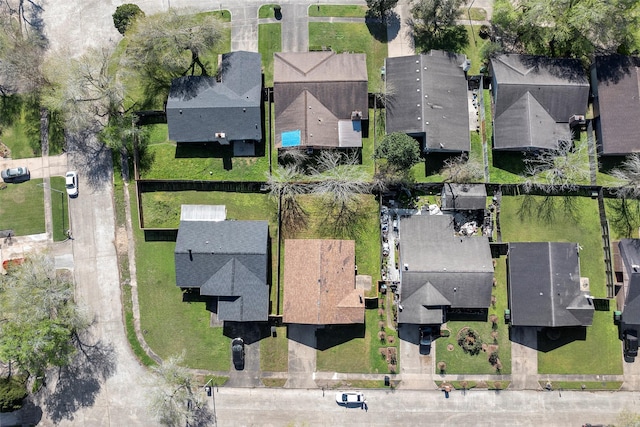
(320, 283)
(615, 84)
(321, 99)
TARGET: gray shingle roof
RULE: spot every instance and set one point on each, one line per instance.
(429, 99)
(630, 253)
(442, 268)
(227, 259)
(616, 86)
(200, 107)
(532, 92)
(544, 285)
(464, 196)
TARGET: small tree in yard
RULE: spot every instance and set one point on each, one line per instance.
(462, 170)
(124, 16)
(400, 150)
(442, 367)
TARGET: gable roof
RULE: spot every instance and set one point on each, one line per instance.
(464, 196)
(226, 259)
(544, 285)
(616, 85)
(429, 98)
(315, 94)
(630, 253)
(319, 283)
(441, 269)
(532, 92)
(203, 109)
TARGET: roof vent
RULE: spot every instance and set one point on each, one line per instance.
(356, 115)
(636, 268)
(221, 135)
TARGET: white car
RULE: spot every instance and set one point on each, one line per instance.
(349, 398)
(71, 183)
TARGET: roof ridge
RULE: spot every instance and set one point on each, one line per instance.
(323, 60)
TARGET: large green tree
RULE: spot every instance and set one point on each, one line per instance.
(40, 323)
(567, 28)
(381, 8)
(433, 24)
(400, 150)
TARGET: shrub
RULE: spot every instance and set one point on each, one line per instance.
(124, 15)
(484, 32)
(12, 393)
(470, 341)
(442, 367)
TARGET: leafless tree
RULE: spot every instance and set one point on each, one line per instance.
(461, 169)
(285, 186)
(296, 156)
(557, 170)
(176, 400)
(628, 176)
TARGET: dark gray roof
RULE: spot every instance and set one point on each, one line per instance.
(616, 87)
(630, 253)
(202, 109)
(533, 92)
(428, 97)
(442, 269)
(544, 285)
(464, 196)
(227, 259)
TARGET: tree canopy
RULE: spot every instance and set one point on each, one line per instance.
(124, 16)
(566, 28)
(433, 24)
(40, 321)
(400, 150)
(381, 8)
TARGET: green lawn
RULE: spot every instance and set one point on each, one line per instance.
(459, 362)
(59, 208)
(345, 11)
(585, 385)
(274, 352)
(504, 168)
(267, 11)
(269, 42)
(599, 352)
(473, 48)
(20, 125)
(350, 37)
(162, 210)
(22, 208)
(347, 357)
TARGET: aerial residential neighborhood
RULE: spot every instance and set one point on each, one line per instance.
(319, 212)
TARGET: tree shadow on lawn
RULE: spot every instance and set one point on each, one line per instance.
(552, 338)
(434, 162)
(510, 161)
(333, 335)
(78, 384)
(214, 150)
(383, 30)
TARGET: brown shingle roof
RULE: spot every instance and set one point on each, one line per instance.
(319, 283)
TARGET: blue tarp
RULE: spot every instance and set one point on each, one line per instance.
(291, 138)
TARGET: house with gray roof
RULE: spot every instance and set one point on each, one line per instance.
(615, 84)
(628, 297)
(427, 99)
(441, 271)
(226, 108)
(321, 100)
(227, 261)
(544, 285)
(464, 197)
(535, 97)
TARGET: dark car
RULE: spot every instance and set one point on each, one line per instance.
(630, 343)
(426, 337)
(237, 350)
(18, 174)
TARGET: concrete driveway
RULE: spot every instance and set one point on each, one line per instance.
(302, 356)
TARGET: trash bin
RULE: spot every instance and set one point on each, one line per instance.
(387, 381)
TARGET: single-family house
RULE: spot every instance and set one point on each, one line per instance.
(224, 260)
(544, 285)
(628, 297)
(464, 197)
(615, 85)
(225, 108)
(321, 100)
(535, 100)
(441, 271)
(427, 99)
(320, 283)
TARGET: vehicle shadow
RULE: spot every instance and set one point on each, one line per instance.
(77, 385)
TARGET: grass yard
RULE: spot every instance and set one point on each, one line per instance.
(267, 11)
(269, 42)
(59, 208)
(274, 352)
(459, 362)
(171, 326)
(347, 356)
(345, 11)
(474, 46)
(22, 208)
(20, 125)
(162, 210)
(599, 351)
(503, 167)
(586, 385)
(350, 37)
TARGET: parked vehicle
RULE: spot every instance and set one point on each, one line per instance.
(349, 398)
(71, 183)
(237, 350)
(18, 174)
(630, 339)
(426, 338)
